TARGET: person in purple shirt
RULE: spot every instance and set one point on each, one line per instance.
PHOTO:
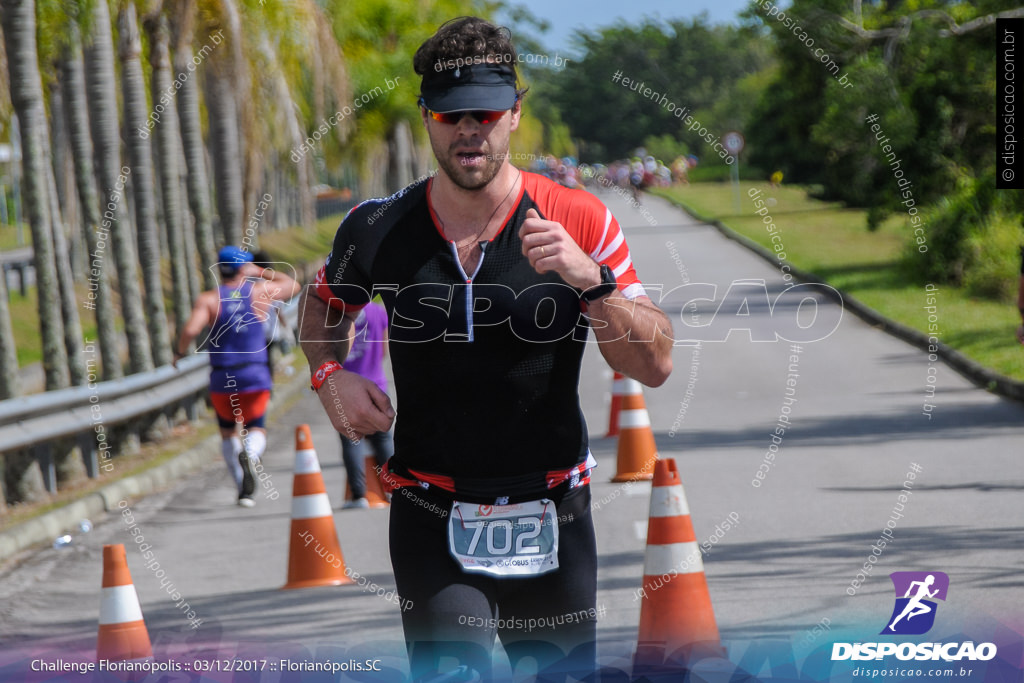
(240, 377)
(366, 358)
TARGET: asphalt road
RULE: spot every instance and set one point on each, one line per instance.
(857, 424)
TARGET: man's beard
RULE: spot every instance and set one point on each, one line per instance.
(468, 177)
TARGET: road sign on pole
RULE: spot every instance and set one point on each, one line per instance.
(733, 142)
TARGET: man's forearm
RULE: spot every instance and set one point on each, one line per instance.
(324, 333)
(286, 282)
(182, 343)
(635, 338)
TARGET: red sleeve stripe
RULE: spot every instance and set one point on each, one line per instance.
(323, 290)
(320, 286)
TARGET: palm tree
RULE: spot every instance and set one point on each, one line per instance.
(9, 381)
(63, 166)
(168, 151)
(72, 79)
(102, 98)
(379, 38)
(225, 69)
(65, 277)
(66, 284)
(10, 385)
(298, 70)
(183, 14)
(19, 27)
(136, 116)
(189, 235)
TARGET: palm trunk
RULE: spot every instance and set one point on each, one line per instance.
(65, 278)
(222, 111)
(10, 386)
(98, 297)
(64, 175)
(226, 85)
(140, 155)
(168, 146)
(303, 184)
(102, 97)
(195, 164)
(191, 247)
(68, 297)
(400, 168)
(19, 27)
(199, 231)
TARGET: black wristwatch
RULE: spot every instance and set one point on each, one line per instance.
(607, 286)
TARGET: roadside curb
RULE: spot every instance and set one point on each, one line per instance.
(54, 523)
(980, 375)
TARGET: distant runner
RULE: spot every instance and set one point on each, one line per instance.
(240, 377)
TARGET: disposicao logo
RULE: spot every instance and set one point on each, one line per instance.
(917, 590)
(914, 614)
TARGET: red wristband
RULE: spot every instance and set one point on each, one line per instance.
(322, 373)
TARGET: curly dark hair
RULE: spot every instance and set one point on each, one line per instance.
(465, 37)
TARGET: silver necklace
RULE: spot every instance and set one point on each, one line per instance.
(489, 219)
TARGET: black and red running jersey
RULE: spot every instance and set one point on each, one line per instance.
(486, 364)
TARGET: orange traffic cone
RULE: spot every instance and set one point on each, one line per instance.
(677, 622)
(613, 414)
(314, 554)
(123, 633)
(637, 450)
(374, 491)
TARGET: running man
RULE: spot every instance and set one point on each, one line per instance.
(240, 377)
(491, 278)
(915, 606)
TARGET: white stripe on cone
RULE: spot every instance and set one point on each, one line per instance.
(306, 462)
(311, 507)
(668, 501)
(630, 387)
(632, 419)
(119, 604)
(681, 558)
(619, 387)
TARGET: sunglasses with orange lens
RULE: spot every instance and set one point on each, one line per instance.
(481, 115)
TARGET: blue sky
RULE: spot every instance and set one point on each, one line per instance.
(565, 15)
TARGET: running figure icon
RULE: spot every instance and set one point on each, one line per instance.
(915, 606)
(917, 594)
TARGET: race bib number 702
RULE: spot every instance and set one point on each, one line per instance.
(504, 540)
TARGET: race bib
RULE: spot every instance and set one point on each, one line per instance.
(504, 540)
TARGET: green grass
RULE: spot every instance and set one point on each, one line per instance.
(298, 246)
(833, 243)
(9, 237)
(25, 322)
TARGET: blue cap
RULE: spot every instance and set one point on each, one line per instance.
(234, 255)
